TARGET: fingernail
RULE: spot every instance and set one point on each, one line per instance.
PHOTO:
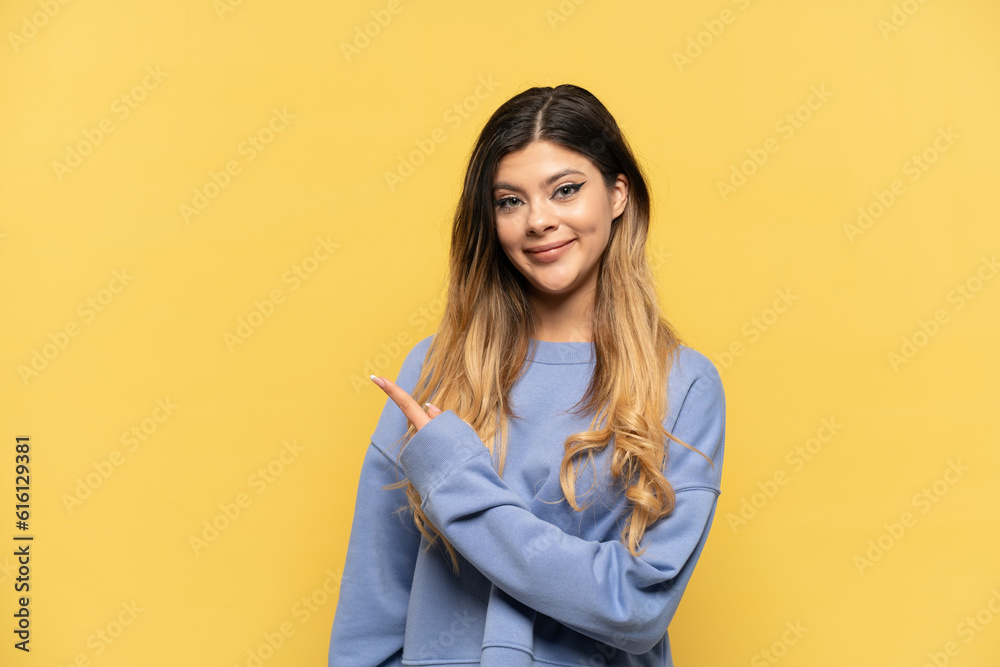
(377, 380)
(431, 405)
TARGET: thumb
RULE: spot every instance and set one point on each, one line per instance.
(432, 410)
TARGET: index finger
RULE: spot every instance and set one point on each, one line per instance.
(414, 413)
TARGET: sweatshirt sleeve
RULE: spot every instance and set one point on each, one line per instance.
(597, 588)
(370, 621)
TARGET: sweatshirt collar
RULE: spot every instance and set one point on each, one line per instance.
(550, 352)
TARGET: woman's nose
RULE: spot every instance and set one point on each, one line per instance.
(541, 216)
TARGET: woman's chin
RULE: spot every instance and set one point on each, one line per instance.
(554, 288)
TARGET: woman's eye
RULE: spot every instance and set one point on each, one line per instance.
(568, 189)
(563, 191)
(505, 202)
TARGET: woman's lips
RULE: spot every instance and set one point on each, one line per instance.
(552, 254)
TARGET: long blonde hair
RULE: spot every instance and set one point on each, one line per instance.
(480, 347)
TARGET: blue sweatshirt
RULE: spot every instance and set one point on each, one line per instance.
(539, 583)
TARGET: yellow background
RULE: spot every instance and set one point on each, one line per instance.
(894, 74)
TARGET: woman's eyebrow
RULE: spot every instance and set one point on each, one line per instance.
(549, 181)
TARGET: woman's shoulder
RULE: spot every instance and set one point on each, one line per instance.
(689, 367)
(696, 413)
(414, 360)
(694, 384)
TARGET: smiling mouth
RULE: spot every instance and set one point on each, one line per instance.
(551, 254)
(548, 247)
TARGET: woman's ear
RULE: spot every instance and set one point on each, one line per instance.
(619, 195)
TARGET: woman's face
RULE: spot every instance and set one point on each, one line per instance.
(545, 195)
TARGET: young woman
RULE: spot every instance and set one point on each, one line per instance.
(552, 370)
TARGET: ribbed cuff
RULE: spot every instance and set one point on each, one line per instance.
(504, 656)
(437, 449)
